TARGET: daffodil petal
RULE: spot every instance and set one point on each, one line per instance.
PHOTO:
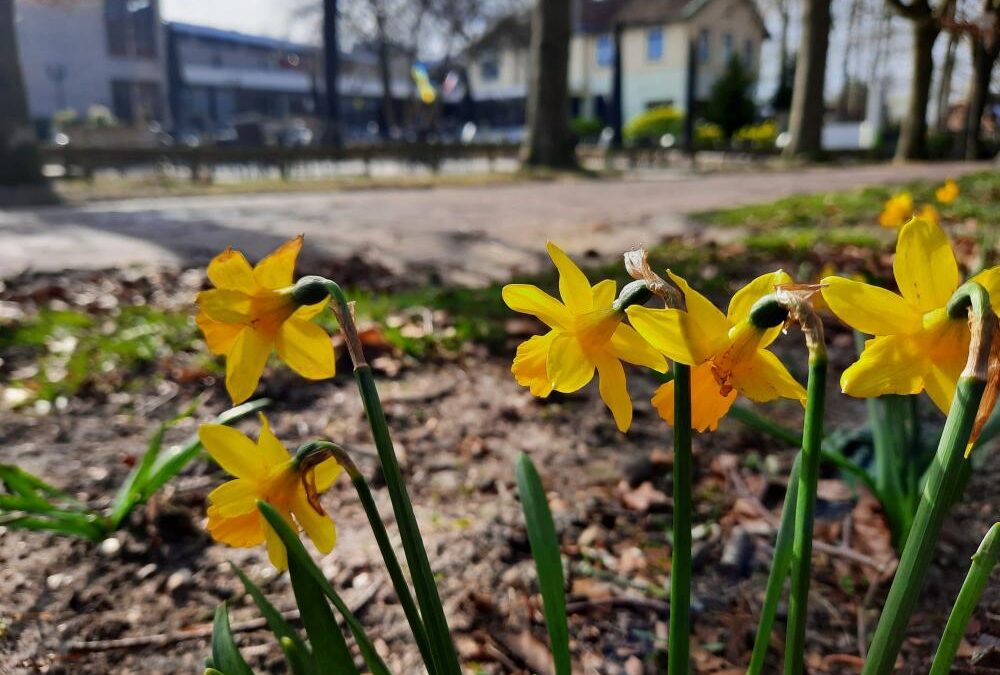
(245, 364)
(320, 527)
(764, 378)
(218, 336)
(708, 405)
(892, 364)
(532, 300)
(306, 348)
(990, 280)
(925, 266)
(272, 451)
(231, 450)
(276, 552)
(568, 366)
(574, 289)
(325, 473)
(278, 268)
(709, 320)
(629, 346)
(309, 312)
(671, 332)
(244, 530)
(870, 309)
(529, 367)
(230, 271)
(744, 299)
(940, 387)
(603, 293)
(234, 497)
(614, 391)
(225, 305)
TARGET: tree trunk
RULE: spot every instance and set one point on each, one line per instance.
(549, 142)
(983, 59)
(333, 131)
(913, 135)
(806, 123)
(385, 74)
(19, 161)
(944, 86)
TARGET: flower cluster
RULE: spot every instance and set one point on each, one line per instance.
(898, 209)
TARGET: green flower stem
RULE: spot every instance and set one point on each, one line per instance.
(983, 562)
(773, 310)
(678, 646)
(778, 574)
(941, 483)
(431, 610)
(805, 512)
(319, 450)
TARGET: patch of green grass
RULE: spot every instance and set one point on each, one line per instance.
(59, 351)
(979, 200)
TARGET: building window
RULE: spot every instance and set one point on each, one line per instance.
(131, 28)
(489, 67)
(704, 46)
(654, 44)
(727, 47)
(748, 51)
(605, 50)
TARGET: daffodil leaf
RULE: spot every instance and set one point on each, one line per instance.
(545, 550)
(226, 655)
(326, 638)
(157, 468)
(296, 652)
(306, 567)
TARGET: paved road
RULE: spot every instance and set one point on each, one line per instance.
(466, 234)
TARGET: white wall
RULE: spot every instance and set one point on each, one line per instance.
(647, 82)
(72, 34)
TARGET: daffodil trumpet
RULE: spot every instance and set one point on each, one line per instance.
(768, 312)
(316, 452)
(444, 657)
(943, 477)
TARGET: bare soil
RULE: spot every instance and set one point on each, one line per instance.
(459, 425)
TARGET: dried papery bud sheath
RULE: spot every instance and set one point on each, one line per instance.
(797, 299)
(984, 348)
(637, 266)
(312, 289)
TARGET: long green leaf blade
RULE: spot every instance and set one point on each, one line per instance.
(545, 551)
(296, 652)
(225, 654)
(329, 647)
(298, 552)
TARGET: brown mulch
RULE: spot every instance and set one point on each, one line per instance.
(458, 426)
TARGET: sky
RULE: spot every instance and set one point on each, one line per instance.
(273, 18)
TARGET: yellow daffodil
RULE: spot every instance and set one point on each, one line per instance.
(897, 210)
(916, 346)
(929, 213)
(726, 352)
(947, 193)
(586, 333)
(265, 472)
(250, 312)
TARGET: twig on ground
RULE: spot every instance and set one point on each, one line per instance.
(204, 630)
(622, 601)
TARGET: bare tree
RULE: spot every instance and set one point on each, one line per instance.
(984, 39)
(19, 162)
(926, 19)
(808, 105)
(549, 141)
(944, 83)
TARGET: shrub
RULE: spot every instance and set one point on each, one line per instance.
(707, 135)
(586, 127)
(758, 136)
(731, 103)
(650, 125)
